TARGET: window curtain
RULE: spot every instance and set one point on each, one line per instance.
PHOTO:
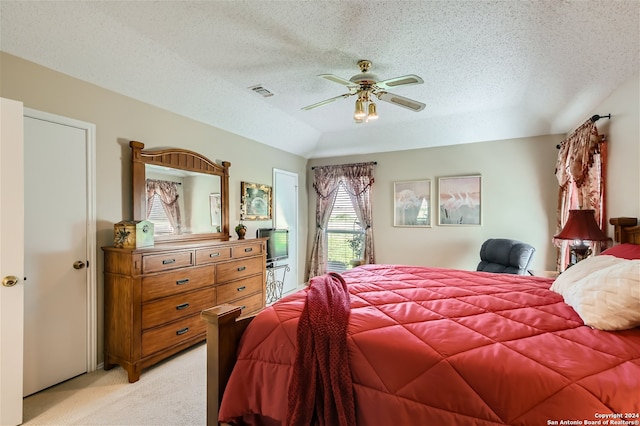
(357, 180)
(581, 171)
(168, 194)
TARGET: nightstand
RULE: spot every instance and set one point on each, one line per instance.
(545, 274)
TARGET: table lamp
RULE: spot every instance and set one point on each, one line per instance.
(581, 227)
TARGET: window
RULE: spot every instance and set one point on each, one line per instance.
(345, 236)
(158, 216)
(342, 236)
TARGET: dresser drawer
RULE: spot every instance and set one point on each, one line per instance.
(211, 255)
(175, 307)
(239, 269)
(177, 281)
(237, 289)
(171, 334)
(250, 304)
(166, 261)
(154, 296)
(246, 250)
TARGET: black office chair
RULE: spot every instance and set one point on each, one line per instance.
(505, 256)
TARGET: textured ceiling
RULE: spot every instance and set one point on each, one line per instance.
(492, 69)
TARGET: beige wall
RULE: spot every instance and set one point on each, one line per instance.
(519, 189)
(118, 120)
(623, 134)
(519, 195)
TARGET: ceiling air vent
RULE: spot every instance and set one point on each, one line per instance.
(261, 91)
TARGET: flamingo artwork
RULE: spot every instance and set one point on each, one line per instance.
(459, 200)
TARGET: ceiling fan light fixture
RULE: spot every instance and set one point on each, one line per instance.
(359, 113)
(367, 86)
(372, 113)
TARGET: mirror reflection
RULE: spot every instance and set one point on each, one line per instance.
(182, 202)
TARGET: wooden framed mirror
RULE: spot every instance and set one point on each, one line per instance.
(183, 193)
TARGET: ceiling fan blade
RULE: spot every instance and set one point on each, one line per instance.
(406, 80)
(337, 79)
(326, 101)
(401, 101)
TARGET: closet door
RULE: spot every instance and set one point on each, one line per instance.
(58, 240)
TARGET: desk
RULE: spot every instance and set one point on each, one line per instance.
(274, 285)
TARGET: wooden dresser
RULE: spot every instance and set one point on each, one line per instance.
(153, 296)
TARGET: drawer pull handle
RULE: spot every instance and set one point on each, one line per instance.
(243, 307)
(242, 268)
(248, 249)
(180, 282)
(244, 287)
(182, 331)
(168, 261)
(215, 254)
(182, 306)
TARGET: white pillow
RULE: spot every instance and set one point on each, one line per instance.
(580, 270)
(604, 291)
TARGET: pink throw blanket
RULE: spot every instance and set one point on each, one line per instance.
(321, 390)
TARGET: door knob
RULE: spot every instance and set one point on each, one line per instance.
(78, 264)
(10, 281)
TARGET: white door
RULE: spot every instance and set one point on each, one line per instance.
(285, 213)
(59, 257)
(11, 261)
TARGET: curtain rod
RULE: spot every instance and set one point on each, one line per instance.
(593, 119)
(375, 163)
(170, 181)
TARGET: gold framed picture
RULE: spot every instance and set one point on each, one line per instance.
(256, 201)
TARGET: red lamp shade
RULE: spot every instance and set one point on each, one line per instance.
(581, 225)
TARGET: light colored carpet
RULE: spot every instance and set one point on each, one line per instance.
(172, 392)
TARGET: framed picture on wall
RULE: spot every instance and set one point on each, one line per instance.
(215, 206)
(256, 201)
(460, 200)
(412, 203)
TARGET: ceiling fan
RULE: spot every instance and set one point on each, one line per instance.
(366, 86)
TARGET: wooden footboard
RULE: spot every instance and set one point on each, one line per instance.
(626, 230)
(224, 329)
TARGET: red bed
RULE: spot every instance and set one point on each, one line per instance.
(429, 346)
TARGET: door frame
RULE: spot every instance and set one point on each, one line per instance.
(91, 270)
(276, 171)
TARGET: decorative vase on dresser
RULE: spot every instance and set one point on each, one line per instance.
(154, 296)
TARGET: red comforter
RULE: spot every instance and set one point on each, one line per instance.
(433, 346)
